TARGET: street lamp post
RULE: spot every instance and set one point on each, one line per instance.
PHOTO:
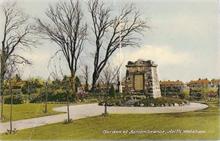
(120, 58)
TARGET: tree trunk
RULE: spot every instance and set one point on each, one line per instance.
(72, 87)
(72, 84)
(2, 75)
(94, 80)
(105, 112)
(2, 96)
(87, 85)
(68, 109)
(11, 93)
(46, 95)
(106, 103)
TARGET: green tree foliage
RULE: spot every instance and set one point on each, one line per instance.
(31, 86)
(57, 96)
(77, 81)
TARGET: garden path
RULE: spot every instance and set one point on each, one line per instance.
(89, 110)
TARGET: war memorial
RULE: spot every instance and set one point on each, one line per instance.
(142, 77)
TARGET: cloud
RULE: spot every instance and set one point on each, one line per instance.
(39, 58)
(162, 55)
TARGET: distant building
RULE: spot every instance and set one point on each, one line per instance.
(170, 88)
(142, 78)
(215, 83)
(200, 83)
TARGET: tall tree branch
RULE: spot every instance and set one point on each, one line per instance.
(109, 31)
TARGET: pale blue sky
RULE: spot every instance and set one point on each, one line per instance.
(183, 39)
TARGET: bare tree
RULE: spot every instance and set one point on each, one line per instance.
(11, 103)
(12, 68)
(17, 34)
(85, 72)
(109, 75)
(46, 95)
(110, 30)
(64, 26)
(107, 78)
(11, 108)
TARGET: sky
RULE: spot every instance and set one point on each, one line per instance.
(182, 39)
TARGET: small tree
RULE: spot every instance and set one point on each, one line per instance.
(108, 77)
(17, 34)
(46, 96)
(112, 91)
(11, 69)
(11, 94)
(110, 94)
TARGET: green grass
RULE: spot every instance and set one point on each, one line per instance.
(92, 128)
(31, 110)
(26, 111)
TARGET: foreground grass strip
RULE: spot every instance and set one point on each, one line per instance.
(30, 110)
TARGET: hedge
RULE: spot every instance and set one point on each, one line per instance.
(17, 99)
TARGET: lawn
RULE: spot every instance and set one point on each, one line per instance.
(92, 128)
(25, 111)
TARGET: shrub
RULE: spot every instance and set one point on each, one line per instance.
(162, 101)
(195, 96)
(112, 91)
(181, 96)
(17, 99)
(81, 95)
(58, 96)
(112, 102)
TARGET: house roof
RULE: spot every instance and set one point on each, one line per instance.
(199, 82)
(169, 82)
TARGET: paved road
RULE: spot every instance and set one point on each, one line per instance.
(89, 110)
